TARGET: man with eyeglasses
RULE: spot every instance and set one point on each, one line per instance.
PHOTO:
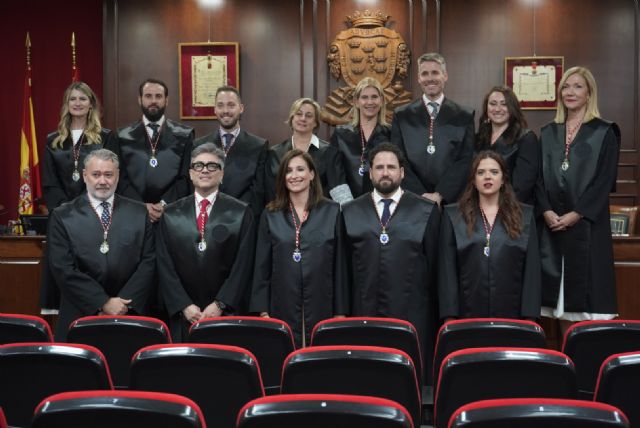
(205, 246)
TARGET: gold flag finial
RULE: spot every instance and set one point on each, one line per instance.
(73, 50)
(27, 45)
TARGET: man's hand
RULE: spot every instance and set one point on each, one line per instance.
(192, 313)
(155, 211)
(116, 306)
(212, 310)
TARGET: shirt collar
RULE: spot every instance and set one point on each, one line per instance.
(147, 121)
(95, 203)
(439, 101)
(377, 197)
(235, 132)
(211, 198)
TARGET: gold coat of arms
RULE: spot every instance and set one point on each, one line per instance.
(368, 49)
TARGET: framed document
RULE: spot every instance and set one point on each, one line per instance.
(534, 80)
(203, 68)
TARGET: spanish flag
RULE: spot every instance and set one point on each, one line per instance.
(30, 190)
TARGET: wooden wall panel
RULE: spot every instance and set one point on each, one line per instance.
(284, 44)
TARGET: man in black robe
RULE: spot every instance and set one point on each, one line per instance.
(101, 248)
(392, 239)
(245, 153)
(154, 152)
(205, 247)
(436, 135)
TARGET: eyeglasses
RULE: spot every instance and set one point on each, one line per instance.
(211, 166)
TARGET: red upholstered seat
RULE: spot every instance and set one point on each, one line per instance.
(476, 374)
(269, 339)
(358, 370)
(537, 413)
(219, 378)
(29, 372)
(619, 384)
(16, 328)
(323, 410)
(122, 409)
(589, 343)
(119, 338)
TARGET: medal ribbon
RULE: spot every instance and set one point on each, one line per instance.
(297, 226)
(154, 144)
(488, 228)
(431, 118)
(571, 135)
(75, 150)
(384, 224)
(105, 221)
(363, 143)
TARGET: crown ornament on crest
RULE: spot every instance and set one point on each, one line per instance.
(368, 19)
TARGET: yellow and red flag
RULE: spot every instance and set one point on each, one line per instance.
(30, 190)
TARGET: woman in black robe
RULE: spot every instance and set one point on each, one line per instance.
(299, 274)
(367, 129)
(503, 128)
(79, 133)
(579, 167)
(489, 262)
(304, 120)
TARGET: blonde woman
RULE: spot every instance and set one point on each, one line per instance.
(368, 128)
(579, 167)
(304, 120)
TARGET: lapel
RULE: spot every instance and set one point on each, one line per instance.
(447, 111)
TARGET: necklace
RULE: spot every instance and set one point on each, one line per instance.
(431, 118)
(363, 144)
(153, 161)
(571, 135)
(104, 247)
(297, 254)
(75, 176)
(488, 228)
(384, 235)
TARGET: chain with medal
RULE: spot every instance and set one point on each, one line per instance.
(363, 143)
(384, 236)
(297, 255)
(104, 247)
(488, 228)
(571, 135)
(75, 152)
(153, 160)
(431, 148)
(201, 223)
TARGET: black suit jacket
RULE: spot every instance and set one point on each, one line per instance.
(86, 277)
(169, 181)
(243, 168)
(446, 170)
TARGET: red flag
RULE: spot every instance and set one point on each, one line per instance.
(30, 189)
(75, 71)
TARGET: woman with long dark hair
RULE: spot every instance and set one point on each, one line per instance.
(503, 128)
(300, 274)
(489, 263)
(579, 168)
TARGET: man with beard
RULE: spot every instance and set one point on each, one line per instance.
(245, 152)
(101, 248)
(392, 239)
(436, 135)
(205, 247)
(154, 153)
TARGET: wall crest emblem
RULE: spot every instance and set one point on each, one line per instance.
(367, 49)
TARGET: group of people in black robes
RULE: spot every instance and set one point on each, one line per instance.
(423, 220)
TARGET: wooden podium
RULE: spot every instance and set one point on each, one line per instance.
(20, 267)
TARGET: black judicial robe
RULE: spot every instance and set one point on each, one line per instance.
(169, 181)
(243, 168)
(523, 159)
(222, 272)
(587, 247)
(397, 279)
(314, 289)
(446, 170)
(86, 277)
(58, 187)
(506, 284)
(326, 159)
(346, 138)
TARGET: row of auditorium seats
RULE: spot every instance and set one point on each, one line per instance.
(353, 369)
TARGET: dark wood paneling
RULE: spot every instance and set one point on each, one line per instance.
(20, 267)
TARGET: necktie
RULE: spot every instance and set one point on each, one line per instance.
(386, 212)
(227, 140)
(154, 130)
(203, 216)
(434, 108)
(105, 218)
